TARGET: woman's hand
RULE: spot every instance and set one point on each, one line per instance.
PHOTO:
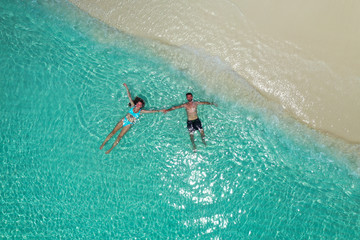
(125, 85)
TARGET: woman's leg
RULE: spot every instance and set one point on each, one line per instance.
(122, 133)
(117, 127)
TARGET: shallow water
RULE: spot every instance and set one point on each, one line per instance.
(62, 94)
(304, 55)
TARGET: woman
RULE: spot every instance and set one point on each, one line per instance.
(130, 118)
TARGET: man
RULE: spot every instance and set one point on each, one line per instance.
(193, 122)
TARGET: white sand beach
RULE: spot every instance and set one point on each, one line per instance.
(304, 55)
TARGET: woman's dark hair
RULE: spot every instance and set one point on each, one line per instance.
(137, 99)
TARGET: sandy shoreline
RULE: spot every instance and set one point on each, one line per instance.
(307, 64)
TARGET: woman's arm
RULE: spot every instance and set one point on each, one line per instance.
(152, 111)
(129, 95)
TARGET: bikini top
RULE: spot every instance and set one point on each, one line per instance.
(135, 115)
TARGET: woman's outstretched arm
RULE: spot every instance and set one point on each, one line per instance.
(129, 95)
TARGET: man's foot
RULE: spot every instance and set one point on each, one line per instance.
(108, 151)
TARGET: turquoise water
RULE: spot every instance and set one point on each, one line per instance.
(62, 93)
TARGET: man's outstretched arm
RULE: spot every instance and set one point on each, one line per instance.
(206, 103)
(153, 111)
(175, 107)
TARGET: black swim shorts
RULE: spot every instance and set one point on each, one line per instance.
(193, 125)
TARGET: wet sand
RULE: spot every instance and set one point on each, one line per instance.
(303, 55)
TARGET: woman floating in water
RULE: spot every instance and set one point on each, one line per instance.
(125, 123)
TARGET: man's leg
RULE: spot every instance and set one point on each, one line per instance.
(192, 140)
(191, 130)
(198, 126)
(202, 136)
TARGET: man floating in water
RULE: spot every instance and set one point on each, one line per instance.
(193, 122)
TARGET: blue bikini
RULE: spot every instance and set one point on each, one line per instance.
(135, 115)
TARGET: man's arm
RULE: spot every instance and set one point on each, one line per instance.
(129, 95)
(153, 111)
(176, 107)
(206, 103)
